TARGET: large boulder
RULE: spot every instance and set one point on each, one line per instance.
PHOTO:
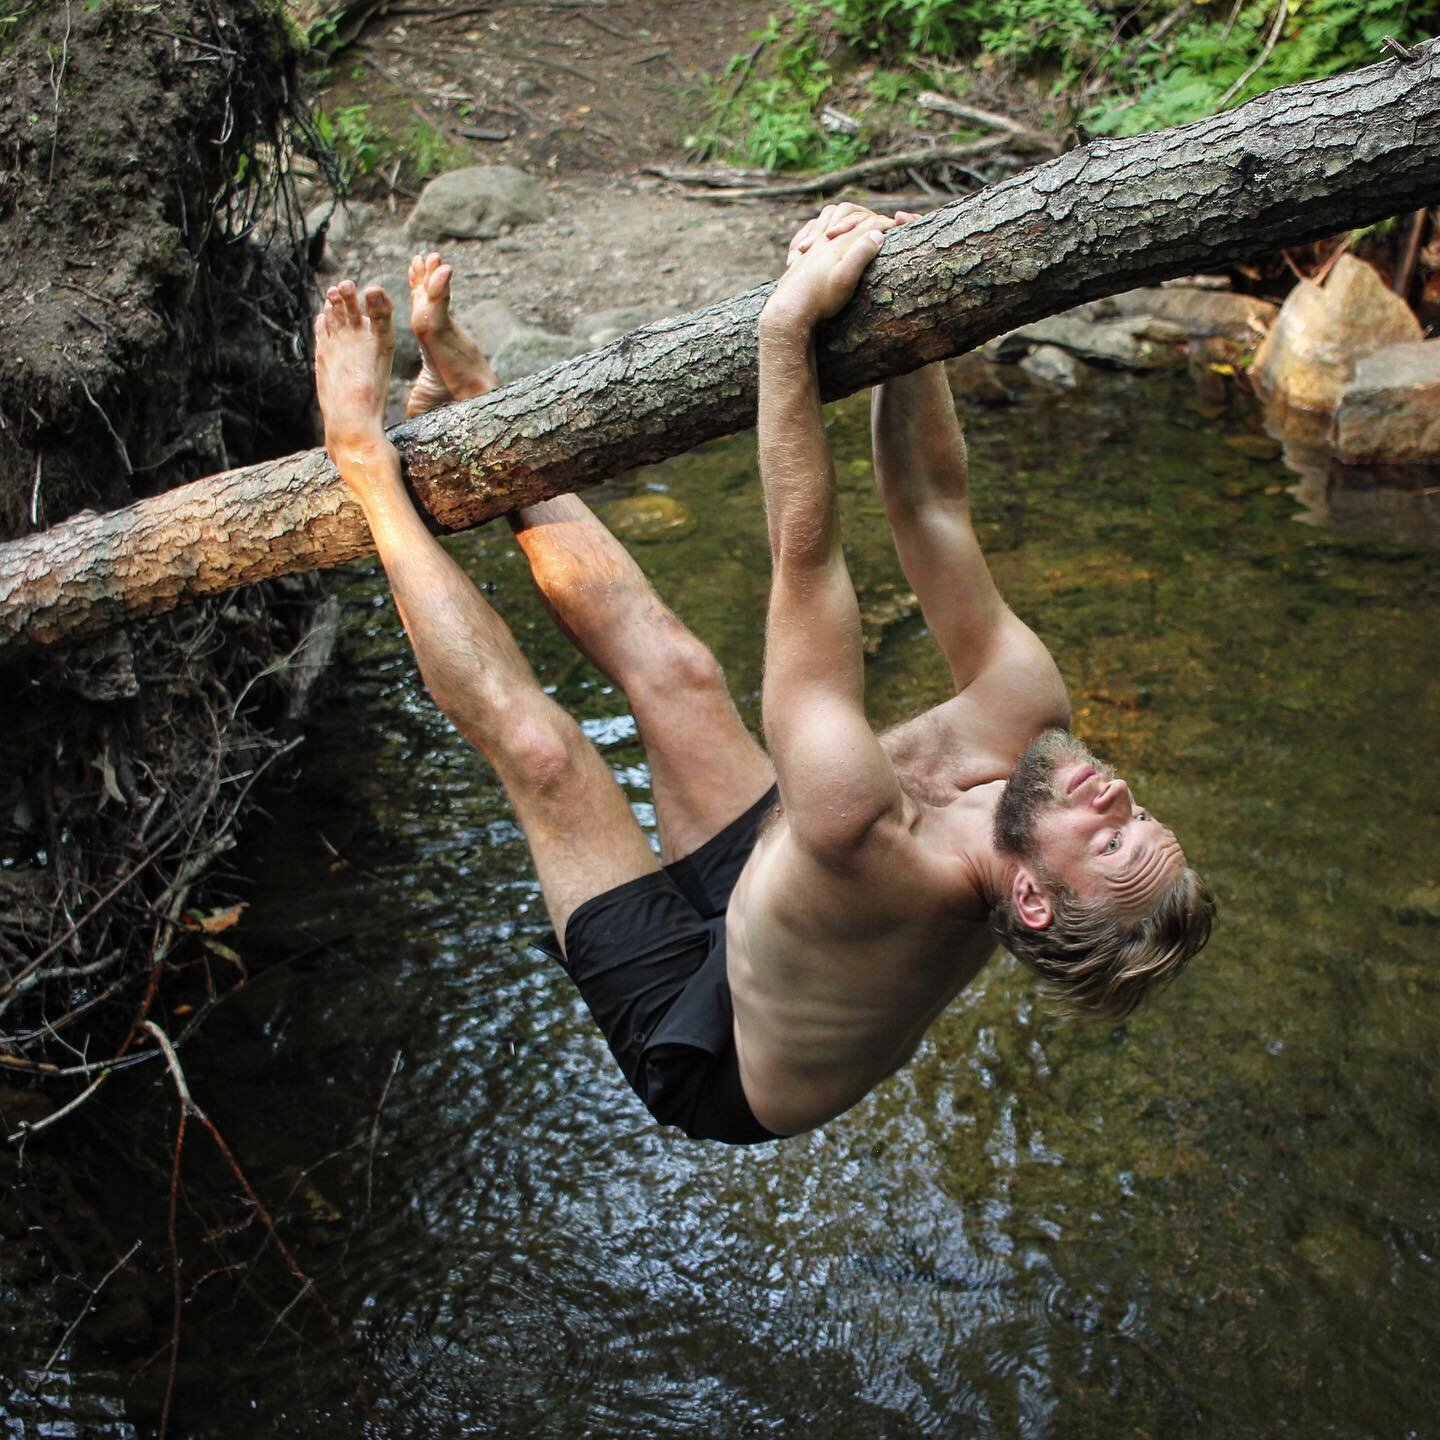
(490, 323)
(1200, 313)
(1389, 411)
(477, 203)
(526, 351)
(607, 325)
(1321, 334)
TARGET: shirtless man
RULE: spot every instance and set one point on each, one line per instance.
(777, 961)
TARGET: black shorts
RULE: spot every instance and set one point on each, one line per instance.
(649, 959)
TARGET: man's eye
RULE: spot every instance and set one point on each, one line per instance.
(1114, 844)
(1142, 814)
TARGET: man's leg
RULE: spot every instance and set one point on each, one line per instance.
(705, 767)
(581, 832)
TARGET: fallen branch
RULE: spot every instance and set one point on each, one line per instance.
(1296, 164)
(988, 119)
(836, 179)
(189, 1107)
(27, 1128)
(89, 1305)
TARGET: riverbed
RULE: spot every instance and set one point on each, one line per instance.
(1219, 1218)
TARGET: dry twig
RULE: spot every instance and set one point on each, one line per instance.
(989, 120)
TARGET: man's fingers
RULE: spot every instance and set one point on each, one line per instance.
(804, 237)
(862, 251)
(851, 216)
(902, 216)
(844, 224)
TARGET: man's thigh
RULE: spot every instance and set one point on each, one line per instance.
(705, 767)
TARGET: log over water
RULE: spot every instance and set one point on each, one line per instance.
(1292, 165)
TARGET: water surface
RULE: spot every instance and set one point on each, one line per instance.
(1219, 1218)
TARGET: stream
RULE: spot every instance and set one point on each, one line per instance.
(1217, 1219)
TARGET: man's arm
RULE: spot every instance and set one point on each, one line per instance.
(1000, 667)
(835, 781)
(922, 472)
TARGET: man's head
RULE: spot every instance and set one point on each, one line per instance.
(1101, 902)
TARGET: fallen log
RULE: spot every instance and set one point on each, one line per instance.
(1298, 163)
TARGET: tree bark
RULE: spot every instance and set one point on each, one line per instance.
(1298, 163)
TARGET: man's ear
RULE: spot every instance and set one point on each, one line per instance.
(1031, 903)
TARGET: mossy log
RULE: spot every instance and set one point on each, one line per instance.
(1298, 163)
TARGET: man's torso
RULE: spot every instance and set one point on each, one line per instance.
(836, 974)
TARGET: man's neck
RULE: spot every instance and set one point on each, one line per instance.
(963, 829)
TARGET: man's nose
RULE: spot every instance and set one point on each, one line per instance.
(1112, 796)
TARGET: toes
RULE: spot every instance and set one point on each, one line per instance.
(349, 302)
(379, 308)
(417, 270)
(438, 281)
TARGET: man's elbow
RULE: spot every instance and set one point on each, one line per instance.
(836, 833)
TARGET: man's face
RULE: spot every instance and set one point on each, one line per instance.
(1066, 814)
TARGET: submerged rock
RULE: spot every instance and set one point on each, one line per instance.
(882, 606)
(1420, 907)
(1255, 447)
(1051, 365)
(649, 517)
(479, 202)
(1321, 335)
(1389, 410)
(974, 377)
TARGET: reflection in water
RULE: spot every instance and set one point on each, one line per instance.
(1216, 1219)
(1401, 502)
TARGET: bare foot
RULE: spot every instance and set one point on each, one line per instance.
(353, 349)
(452, 366)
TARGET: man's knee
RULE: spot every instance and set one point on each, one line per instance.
(539, 749)
(677, 663)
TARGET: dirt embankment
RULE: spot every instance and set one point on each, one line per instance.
(148, 335)
(143, 339)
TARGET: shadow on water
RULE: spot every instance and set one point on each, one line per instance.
(1217, 1219)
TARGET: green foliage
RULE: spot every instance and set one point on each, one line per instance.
(429, 151)
(1210, 58)
(353, 138)
(926, 27)
(889, 87)
(771, 119)
(1124, 68)
(1026, 32)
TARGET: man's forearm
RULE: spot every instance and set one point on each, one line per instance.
(919, 448)
(797, 471)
